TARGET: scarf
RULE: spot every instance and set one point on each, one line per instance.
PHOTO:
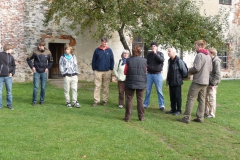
(68, 56)
(124, 61)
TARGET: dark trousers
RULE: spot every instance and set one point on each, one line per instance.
(121, 92)
(129, 97)
(176, 98)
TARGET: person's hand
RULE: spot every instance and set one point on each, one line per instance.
(34, 69)
(210, 87)
(10, 74)
(46, 70)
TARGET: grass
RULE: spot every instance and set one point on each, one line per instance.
(56, 132)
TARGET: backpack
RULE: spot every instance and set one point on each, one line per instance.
(183, 72)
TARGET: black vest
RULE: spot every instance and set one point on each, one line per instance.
(136, 73)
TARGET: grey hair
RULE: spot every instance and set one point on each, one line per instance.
(174, 50)
(125, 51)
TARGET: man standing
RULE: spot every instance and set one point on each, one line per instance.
(202, 66)
(155, 61)
(7, 70)
(176, 69)
(102, 66)
(215, 78)
(42, 62)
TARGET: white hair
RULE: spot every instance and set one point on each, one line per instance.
(125, 51)
(174, 50)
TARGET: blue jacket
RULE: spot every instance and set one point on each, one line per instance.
(103, 60)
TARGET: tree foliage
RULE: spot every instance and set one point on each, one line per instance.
(182, 24)
(176, 23)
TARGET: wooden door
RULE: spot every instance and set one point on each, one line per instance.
(57, 50)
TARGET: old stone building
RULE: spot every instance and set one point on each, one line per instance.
(21, 25)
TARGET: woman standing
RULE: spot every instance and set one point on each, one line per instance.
(69, 70)
(135, 71)
(119, 72)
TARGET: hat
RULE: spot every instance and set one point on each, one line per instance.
(154, 43)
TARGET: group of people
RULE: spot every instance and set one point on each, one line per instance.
(134, 73)
(140, 74)
(40, 61)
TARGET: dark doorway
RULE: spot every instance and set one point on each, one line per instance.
(57, 49)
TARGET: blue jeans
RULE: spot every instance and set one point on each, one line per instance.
(157, 80)
(37, 77)
(8, 83)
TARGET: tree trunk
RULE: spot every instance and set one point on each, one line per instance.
(122, 38)
(181, 53)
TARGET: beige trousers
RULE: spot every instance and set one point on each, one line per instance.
(196, 91)
(210, 103)
(70, 82)
(101, 78)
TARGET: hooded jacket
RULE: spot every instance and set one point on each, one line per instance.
(202, 67)
(7, 64)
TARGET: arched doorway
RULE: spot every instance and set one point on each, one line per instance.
(56, 46)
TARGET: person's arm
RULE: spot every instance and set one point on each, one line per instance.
(216, 73)
(159, 57)
(115, 69)
(111, 61)
(126, 69)
(50, 62)
(75, 64)
(61, 67)
(197, 65)
(94, 60)
(183, 68)
(29, 59)
(12, 72)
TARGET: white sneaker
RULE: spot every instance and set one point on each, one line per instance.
(209, 116)
(76, 104)
(120, 106)
(69, 105)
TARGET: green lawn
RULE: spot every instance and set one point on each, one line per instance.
(56, 132)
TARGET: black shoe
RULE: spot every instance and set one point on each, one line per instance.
(170, 112)
(198, 120)
(162, 108)
(183, 120)
(10, 107)
(42, 103)
(34, 103)
(177, 113)
(95, 104)
(104, 103)
(126, 119)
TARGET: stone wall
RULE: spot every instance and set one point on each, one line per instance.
(12, 31)
(21, 24)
